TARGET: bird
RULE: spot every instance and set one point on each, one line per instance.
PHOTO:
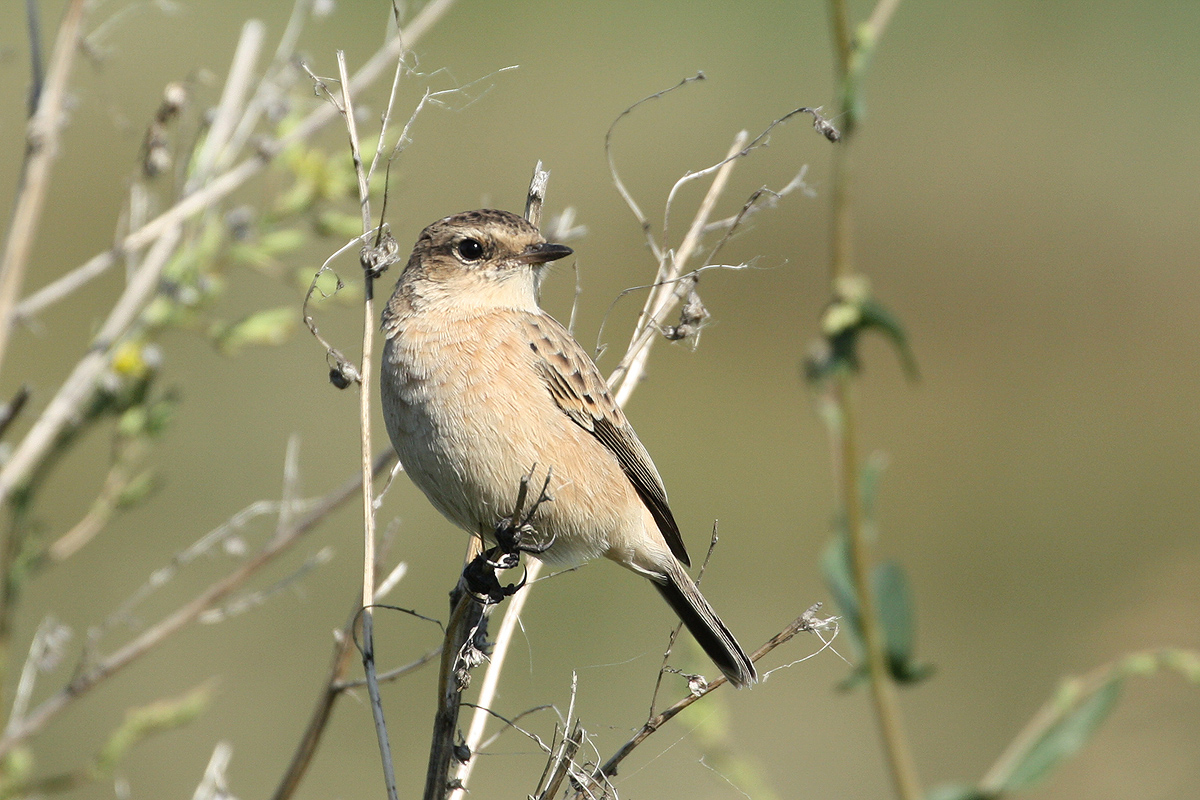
(482, 388)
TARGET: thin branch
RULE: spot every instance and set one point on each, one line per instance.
(37, 76)
(387, 114)
(638, 214)
(226, 183)
(881, 15)
(458, 657)
(317, 722)
(270, 86)
(808, 621)
(75, 391)
(222, 534)
(370, 270)
(87, 679)
(230, 107)
(41, 150)
(47, 632)
(491, 681)
(535, 199)
(214, 785)
(628, 372)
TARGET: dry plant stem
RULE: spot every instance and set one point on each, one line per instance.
(232, 98)
(881, 15)
(364, 425)
(805, 622)
(491, 679)
(29, 673)
(465, 620)
(101, 511)
(41, 150)
(629, 370)
(37, 442)
(229, 181)
(317, 723)
(71, 395)
(334, 686)
(638, 214)
(88, 678)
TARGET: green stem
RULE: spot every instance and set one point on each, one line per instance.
(883, 693)
(852, 55)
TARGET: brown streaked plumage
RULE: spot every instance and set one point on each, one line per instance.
(480, 386)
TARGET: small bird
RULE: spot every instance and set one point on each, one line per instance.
(482, 388)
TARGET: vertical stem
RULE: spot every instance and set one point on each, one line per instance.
(364, 411)
(41, 151)
(364, 426)
(883, 692)
(491, 680)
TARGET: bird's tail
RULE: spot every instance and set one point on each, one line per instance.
(683, 595)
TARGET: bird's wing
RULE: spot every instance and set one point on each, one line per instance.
(580, 391)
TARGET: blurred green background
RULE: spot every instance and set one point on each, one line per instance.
(1026, 191)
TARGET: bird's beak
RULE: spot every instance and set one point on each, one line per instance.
(543, 253)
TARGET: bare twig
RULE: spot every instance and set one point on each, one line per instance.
(387, 114)
(230, 107)
(12, 409)
(229, 181)
(808, 621)
(72, 394)
(41, 149)
(276, 78)
(642, 219)
(50, 635)
(458, 657)
(251, 600)
(628, 372)
(37, 76)
(340, 664)
(371, 268)
(222, 534)
(491, 680)
(87, 679)
(536, 198)
(214, 785)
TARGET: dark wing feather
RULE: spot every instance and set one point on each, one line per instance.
(579, 390)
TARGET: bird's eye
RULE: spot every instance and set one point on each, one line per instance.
(470, 249)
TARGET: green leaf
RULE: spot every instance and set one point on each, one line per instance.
(893, 598)
(1185, 662)
(141, 723)
(138, 489)
(270, 327)
(875, 315)
(839, 578)
(1064, 738)
(339, 224)
(955, 791)
(279, 242)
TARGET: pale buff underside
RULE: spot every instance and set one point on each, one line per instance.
(470, 414)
